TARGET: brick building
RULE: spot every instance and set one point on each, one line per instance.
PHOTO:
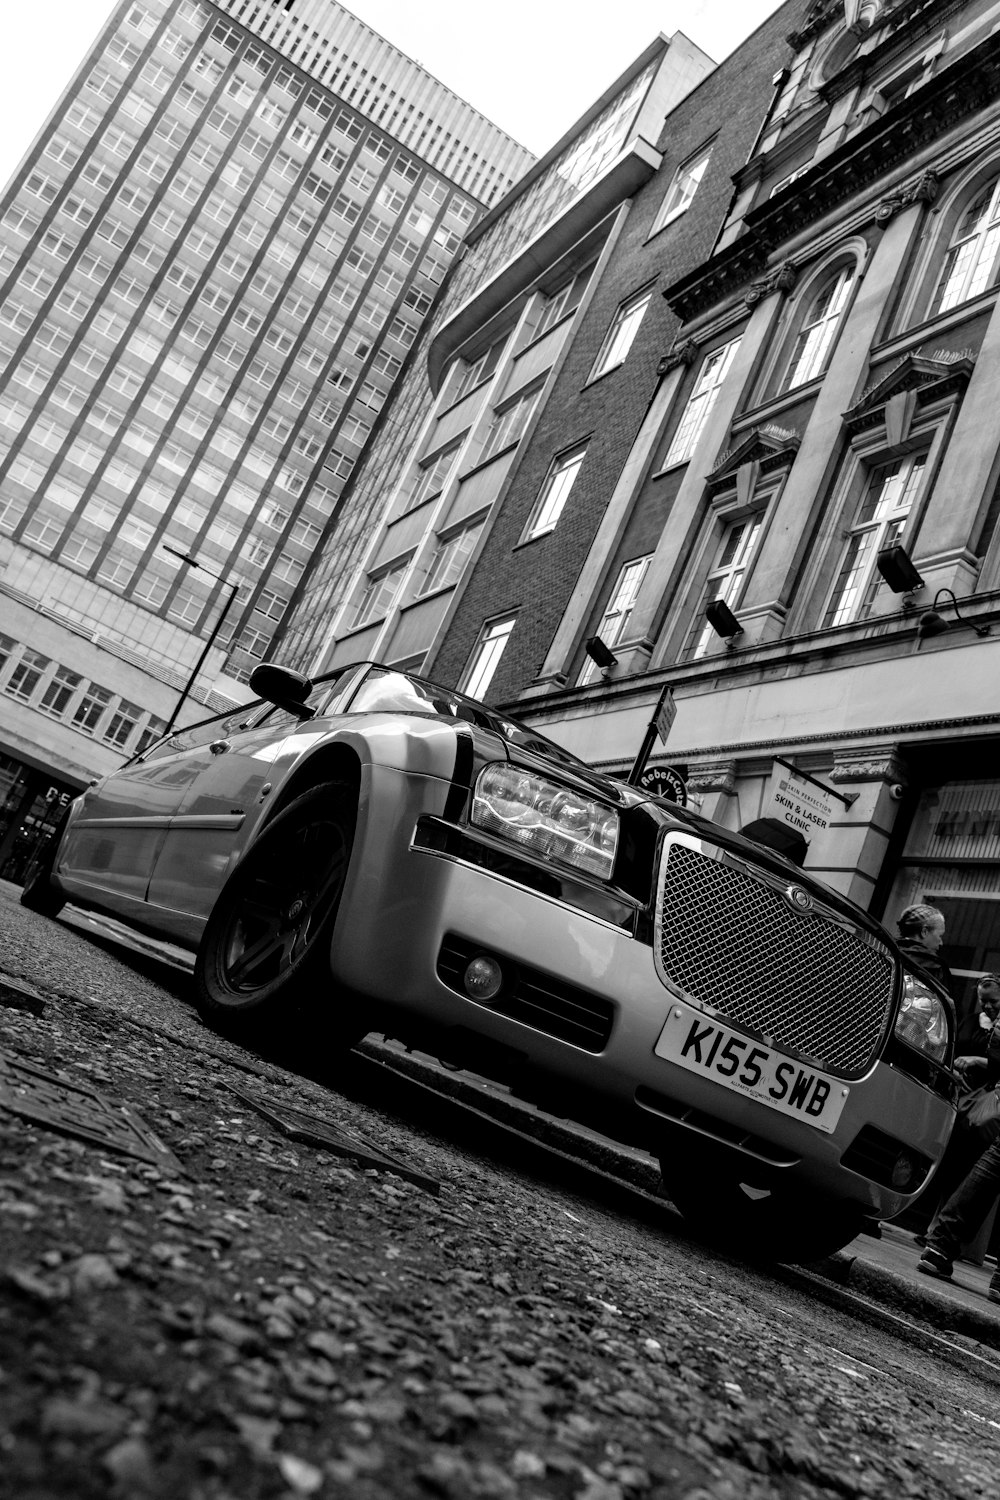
(506, 324)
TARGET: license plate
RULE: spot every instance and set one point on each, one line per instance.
(692, 1040)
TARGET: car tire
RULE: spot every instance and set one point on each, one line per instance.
(38, 893)
(264, 956)
(773, 1222)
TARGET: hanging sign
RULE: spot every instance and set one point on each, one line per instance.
(666, 782)
(797, 800)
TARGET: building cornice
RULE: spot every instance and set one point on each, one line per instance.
(860, 163)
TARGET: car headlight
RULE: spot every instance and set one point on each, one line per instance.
(546, 817)
(923, 1019)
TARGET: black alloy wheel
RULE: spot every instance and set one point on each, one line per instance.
(773, 1221)
(264, 954)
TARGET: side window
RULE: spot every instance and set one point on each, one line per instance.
(879, 521)
(682, 189)
(621, 335)
(820, 316)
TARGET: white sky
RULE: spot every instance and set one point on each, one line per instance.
(533, 77)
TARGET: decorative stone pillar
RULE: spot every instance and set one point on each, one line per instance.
(635, 650)
(714, 783)
(565, 642)
(855, 844)
(765, 602)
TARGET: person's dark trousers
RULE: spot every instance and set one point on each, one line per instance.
(965, 1210)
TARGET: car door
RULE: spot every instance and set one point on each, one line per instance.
(122, 821)
(225, 795)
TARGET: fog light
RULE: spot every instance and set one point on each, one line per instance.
(483, 979)
(904, 1172)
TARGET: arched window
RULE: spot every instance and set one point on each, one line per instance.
(971, 263)
(819, 324)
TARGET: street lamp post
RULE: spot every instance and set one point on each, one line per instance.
(233, 591)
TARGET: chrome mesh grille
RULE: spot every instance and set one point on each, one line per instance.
(807, 983)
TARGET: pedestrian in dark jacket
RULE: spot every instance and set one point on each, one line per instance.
(975, 1025)
(921, 933)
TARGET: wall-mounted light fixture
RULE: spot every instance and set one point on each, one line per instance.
(723, 621)
(934, 623)
(898, 571)
(599, 653)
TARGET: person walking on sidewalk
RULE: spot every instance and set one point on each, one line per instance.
(960, 1219)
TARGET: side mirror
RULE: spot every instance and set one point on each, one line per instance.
(282, 686)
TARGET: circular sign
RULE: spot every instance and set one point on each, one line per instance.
(665, 782)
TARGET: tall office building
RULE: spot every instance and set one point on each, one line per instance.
(214, 261)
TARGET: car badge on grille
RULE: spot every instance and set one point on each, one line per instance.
(798, 898)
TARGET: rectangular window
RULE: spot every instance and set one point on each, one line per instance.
(704, 396)
(379, 594)
(90, 710)
(121, 724)
(620, 336)
(725, 581)
(507, 426)
(554, 492)
(449, 558)
(563, 302)
(614, 621)
(880, 522)
(27, 674)
(682, 188)
(60, 691)
(485, 658)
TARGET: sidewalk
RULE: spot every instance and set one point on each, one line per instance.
(883, 1269)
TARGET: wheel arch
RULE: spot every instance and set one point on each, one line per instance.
(334, 762)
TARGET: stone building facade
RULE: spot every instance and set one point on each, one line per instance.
(806, 505)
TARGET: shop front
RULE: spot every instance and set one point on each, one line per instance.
(31, 803)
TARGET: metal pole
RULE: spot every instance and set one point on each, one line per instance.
(234, 590)
(649, 740)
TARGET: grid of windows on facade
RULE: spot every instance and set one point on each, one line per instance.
(614, 621)
(699, 405)
(683, 186)
(879, 521)
(30, 677)
(294, 251)
(621, 335)
(580, 165)
(725, 581)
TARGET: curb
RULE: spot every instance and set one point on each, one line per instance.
(923, 1302)
(918, 1301)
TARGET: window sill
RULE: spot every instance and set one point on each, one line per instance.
(535, 536)
(602, 374)
(678, 213)
(678, 463)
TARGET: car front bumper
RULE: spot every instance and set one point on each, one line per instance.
(405, 903)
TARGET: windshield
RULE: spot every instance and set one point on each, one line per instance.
(399, 692)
